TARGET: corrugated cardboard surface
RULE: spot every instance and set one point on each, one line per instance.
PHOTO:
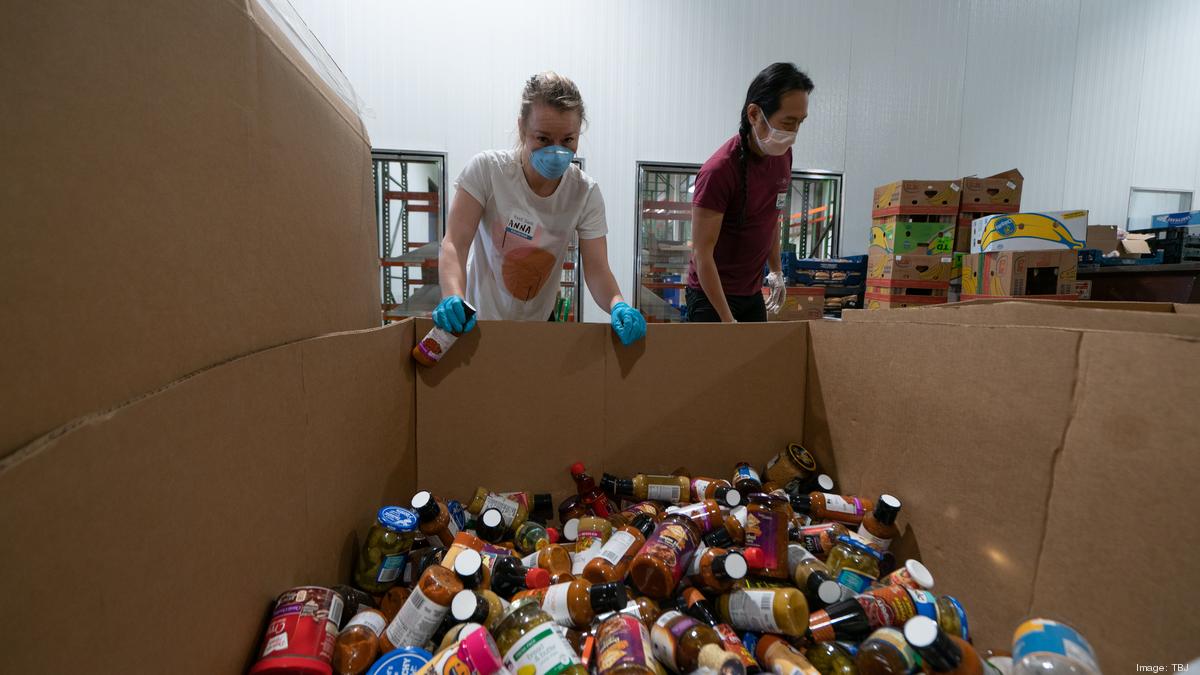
(155, 536)
(962, 427)
(1031, 314)
(177, 194)
(1122, 535)
(1080, 304)
(518, 402)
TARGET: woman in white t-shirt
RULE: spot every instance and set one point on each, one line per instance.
(515, 213)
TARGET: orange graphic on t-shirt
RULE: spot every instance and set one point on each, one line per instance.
(526, 271)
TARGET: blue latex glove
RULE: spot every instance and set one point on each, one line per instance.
(451, 315)
(629, 323)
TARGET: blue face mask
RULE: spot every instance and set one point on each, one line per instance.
(552, 161)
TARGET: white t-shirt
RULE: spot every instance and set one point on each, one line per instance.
(515, 266)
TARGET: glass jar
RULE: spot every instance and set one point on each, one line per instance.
(854, 564)
(767, 523)
(385, 549)
(526, 623)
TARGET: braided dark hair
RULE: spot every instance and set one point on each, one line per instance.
(765, 91)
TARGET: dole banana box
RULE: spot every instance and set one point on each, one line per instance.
(932, 197)
(1029, 231)
(1019, 273)
(901, 235)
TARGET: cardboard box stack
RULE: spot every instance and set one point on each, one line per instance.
(840, 281)
(982, 197)
(912, 243)
(1024, 254)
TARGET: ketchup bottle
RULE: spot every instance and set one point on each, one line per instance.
(591, 495)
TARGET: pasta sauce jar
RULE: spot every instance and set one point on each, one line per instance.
(300, 636)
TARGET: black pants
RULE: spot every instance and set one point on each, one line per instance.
(745, 308)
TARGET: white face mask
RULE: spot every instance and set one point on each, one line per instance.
(777, 142)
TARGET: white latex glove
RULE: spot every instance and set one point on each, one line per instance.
(778, 292)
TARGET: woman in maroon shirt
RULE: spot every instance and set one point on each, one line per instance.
(735, 208)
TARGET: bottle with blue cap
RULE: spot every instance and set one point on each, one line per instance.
(384, 553)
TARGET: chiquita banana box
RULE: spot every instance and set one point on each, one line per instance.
(1029, 231)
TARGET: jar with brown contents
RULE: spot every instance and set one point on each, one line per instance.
(673, 489)
(424, 610)
(820, 539)
(434, 518)
(679, 640)
(658, 567)
(626, 516)
(358, 643)
(706, 514)
(716, 488)
(437, 342)
(715, 570)
(623, 647)
(555, 559)
(794, 463)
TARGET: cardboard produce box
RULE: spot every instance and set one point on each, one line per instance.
(1000, 193)
(803, 303)
(1029, 231)
(902, 235)
(272, 466)
(920, 197)
(896, 281)
(1020, 273)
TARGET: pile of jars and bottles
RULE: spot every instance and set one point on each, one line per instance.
(771, 572)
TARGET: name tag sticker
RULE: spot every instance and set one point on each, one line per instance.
(780, 200)
(520, 226)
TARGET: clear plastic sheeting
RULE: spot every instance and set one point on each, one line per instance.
(306, 43)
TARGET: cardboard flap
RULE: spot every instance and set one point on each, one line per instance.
(188, 510)
(1136, 244)
(183, 196)
(1142, 615)
(1046, 315)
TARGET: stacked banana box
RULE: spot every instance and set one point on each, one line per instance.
(911, 252)
(1032, 255)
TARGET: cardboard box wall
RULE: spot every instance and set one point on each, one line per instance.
(177, 188)
(205, 498)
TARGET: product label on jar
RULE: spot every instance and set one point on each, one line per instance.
(391, 568)
(530, 561)
(694, 567)
(662, 493)
(507, 507)
(374, 622)
(817, 538)
(877, 543)
(763, 530)
(622, 641)
(753, 610)
(746, 472)
(1051, 637)
(518, 497)
(896, 639)
(617, 545)
(671, 544)
(581, 559)
(854, 580)
(541, 651)
(665, 636)
(734, 645)
(838, 504)
(416, 621)
(555, 604)
(491, 554)
(458, 516)
(924, 602)
(699, 486)
(887, 606)
(436, 343)
(699, 514)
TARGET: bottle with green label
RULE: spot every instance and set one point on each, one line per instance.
(532, 645)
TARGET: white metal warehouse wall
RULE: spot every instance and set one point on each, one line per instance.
(1086, 97)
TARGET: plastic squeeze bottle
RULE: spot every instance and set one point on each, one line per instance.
(574, 604)
(694, 604)
(555, 559)
(437, 342)
(940, 651)
(878, 527)
(424, 610)
(707, 514)
(674, 489)
(358, 643)
(825, 506)
(433, 519)
(813, 578)
(716, 488)
(613, 560)
(768, 610)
